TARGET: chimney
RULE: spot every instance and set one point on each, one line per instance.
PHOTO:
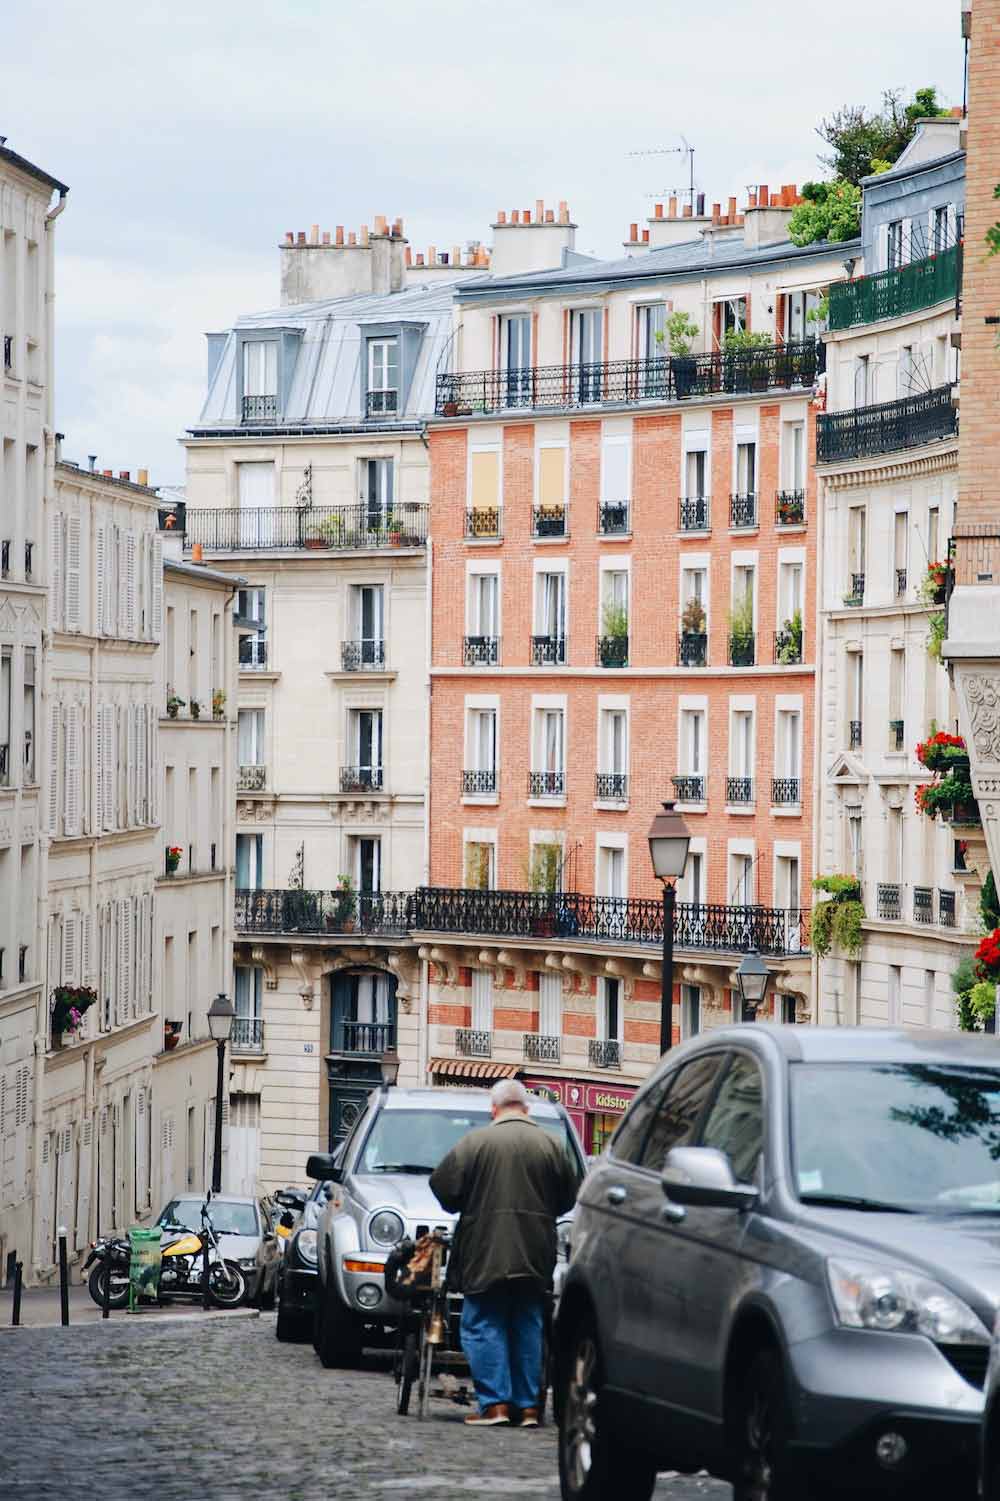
(657, 210)
(524, 243)
(314, 270)
(91, 462)
(765, 221)
(672, 208)
(142, 477)
(123, 474)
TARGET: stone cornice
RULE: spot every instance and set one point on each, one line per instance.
(937, 460)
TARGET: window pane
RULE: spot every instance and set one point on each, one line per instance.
(675, 1121)
(735, 1123)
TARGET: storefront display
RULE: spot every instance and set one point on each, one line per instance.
(594, 1109)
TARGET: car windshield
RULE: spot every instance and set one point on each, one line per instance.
(923, 1137)
(228, 1219)
(414, 1141)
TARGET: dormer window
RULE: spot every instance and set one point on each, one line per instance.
(383, 377)
(260, 380)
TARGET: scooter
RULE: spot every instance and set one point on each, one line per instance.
(181, 1263)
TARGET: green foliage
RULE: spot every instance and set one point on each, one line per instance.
(878, 167)
(863, 142)
(983, 999)
(963, 980)
(790, 649)
(841, 888)
(821, 312)
(937, 629)
(346, 902)
(741, 620)
(735, 340)
(615, 619)
(993, 233)
(989, 907)
(693, 618)
(832, 211)
(678, 334)
(837, 921)
(543, 870)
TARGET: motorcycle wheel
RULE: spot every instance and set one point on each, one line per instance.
(119, 1286)
(226, 1284)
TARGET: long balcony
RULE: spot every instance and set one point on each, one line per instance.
(888, 901)
(350, 528)
(628, 382)
(469, 911)
(864, 432)
(891, 294)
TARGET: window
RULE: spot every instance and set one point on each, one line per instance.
(862, 390)
(730, 318)
(790, 590)
(677, 1117)
(515, 358)
(690, 1010)
(630, 1138)
(482, 1000)
(368, 865)
(377, 477)
(904, 371)
(900, 524)
(366, 746)
(586, 352)
(610, 1019)
(250, 737)
(652, 323)
(693, 743)
(6, 704)
(933, 528)
(735, 1123)
(550, 993)
(746, 468)
(788, 756)
(691, 886)
(786, 881)
(383, 376)
(260, 368)
(894, 863)
(741, 880)
(614, 742)
(741, 743)
(798, 324)
(253, 650)
(894, 244)
(929, 984)
(550, 606)
(695, 472)
(855, 854)
(255, 494)
(897, 683)
(552, 480)
(856, 541)
(893, 1014)
(480, 865)
(484, 480)
(939, 230)
(249, 862)
(484, 605)
(614, 599)
(483, 744)
(612, 876)
(545, 870)
(548, 779)
(856, 699)
(794, 455)
(368, 623)
(248, 989)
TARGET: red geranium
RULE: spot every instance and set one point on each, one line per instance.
(941, 741)
(988, 955)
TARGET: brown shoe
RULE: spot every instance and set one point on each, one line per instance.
(490, 1417)
(529, 1417)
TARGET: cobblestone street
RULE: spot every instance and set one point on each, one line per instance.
(222, 1410)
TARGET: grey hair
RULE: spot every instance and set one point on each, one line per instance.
(509, 1093)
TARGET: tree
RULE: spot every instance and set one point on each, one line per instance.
(858, 138)
(832, 211)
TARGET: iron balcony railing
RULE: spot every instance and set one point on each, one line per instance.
(741, 651)
(887, 427)
(739, 790)
(546, 784)
(786, 791)
(787, 647)
(4, 765)
(694, 514)
(897, 730)
(692, 649)
(548, 651)
(621, 382)
(790, 508)
(890, 294)
(361, 779)
(613, 518)
(481, 651)
(612, 651)
(541, 1049)
(603, 1053)
(523, 914)
(946, 908)
(923, 904)
(855, 596)
(356, 656)
(347, 528)
(471, 1042)
(4, 560)
(479, 783)
(483, 522)
(382, 403)
(888, 901)
(689, 788)
(548, 521)
(251, 778)
(370, 1038)
(247, 1035)
(854, 734)
(260, 409)
(900, 582)
(611, 786)
(742, 512)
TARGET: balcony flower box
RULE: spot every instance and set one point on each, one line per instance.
(171, 1035)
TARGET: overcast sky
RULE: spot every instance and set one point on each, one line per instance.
(192, 135)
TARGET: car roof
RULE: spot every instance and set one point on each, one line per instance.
(860, 1044)
(455, 1099)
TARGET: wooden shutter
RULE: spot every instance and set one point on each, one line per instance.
(153, 751)
(100, 554)
(87, 948)
(43, 1199)
(121, 969)
(71, 948)
(56, 570)
(167, 1134)
(97, 822)
(130, 766)
(156, 590)
(66, 1180)
(83, 1181)
(109, 768)
(615, 486)
(55, 716)
(54, 971)
(72, 771)
(145, 967)
(130, 587)
(73, 573)
(142, 764)
(141, 1151)
(22, 1128)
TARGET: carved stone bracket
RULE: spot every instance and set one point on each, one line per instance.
(518, 969)
(304, 965)
(446, 966)
(259, 956)
(406, 967)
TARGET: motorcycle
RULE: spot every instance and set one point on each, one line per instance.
(182, 1256)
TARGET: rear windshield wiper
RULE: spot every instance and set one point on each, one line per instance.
(848, 1201)
(401, 1167)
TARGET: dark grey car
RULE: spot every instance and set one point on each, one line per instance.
(785, 1270)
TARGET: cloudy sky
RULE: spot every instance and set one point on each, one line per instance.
(194, 134)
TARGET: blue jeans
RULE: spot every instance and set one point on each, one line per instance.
(502, 1340)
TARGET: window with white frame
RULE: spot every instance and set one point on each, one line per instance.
(741, 880)
(744, 578)
(482, 751)
(253, 650)
(484, 605)
(741, 747)
(862, 383)
(377, 484)
(550, 606)
(690, 1010)
(895, 250)
(691, 885)
(480, 864)
(482, 1000)
(614, 622)
(856, 540)
(798, 324)
(367, 865)
(28, 725)
(905, 370)
(550, 1004)
(940, 231)
(731, 317)
(900, 547)
(368, 623)
(933, 532)
(6, 707)
(260, 367)
(549, 750)
(854, 848)
(693, 746)
(696, 473)
(515, 343)
(250, 737)
(787, 881)
(790, 589)
(255, 495)
(484, 487)
(365, 731)
(651, 320)
(586, 339)
(249, 862)
(614, 742)
(794, 455)
(746, 468)
(788, 751)
(383, 376)
(610, 1011)
(612, 875)
(248, 991)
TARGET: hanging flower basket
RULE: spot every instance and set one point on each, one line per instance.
(173, 858)
(68, 1006)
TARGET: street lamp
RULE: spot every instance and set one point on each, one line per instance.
(752, 978)
(669, 841)
(220, 1025)
(389, 1065)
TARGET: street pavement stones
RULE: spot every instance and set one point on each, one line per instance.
(219, 1409)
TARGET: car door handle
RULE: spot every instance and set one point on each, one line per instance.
(617, 1194)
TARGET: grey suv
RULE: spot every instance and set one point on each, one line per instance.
(785, 1270)
(381, 1193)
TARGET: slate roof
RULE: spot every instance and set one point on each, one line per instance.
(23, 165)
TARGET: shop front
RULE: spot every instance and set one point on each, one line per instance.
(594, 1109)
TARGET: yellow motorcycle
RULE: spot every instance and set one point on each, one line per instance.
(182, 1259)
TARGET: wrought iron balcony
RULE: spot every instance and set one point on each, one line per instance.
(613, 518)
(689, 788)
(897, 730)
(347, 528)
(923, 904)
(540, 1049)
(855, 596)
(479, 783)
(548, 651)
(4, 765)
(356, 656)
(903, 289)
(546, 784)
(946, 908)
(790, 508)
(29, 553)
(603, 1053)
(739, 790)
(741, 651)
(694, 514)
(612, 651)
(786, 791)
(481, 651)
(382, 403)
(4, 560)
(692, 649)
(742, 512)
(900, 582)
(251, 778)
(247, 1035)
(324, 912)
(473, 1043)
(887, 427)
(787, 647)
(548, 521)
(483, 523)
(854, 734)
(371, 1039)
(888, 901)
(361, 779)
(253, 653)
(8, 352)
(623, 382)
(260, 409)
(611, 786)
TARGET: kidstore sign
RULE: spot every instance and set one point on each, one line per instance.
(597, 1099)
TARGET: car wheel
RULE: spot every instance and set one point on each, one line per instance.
(338, 1333)
(290, 1328)
(760, 1430)
(593, 1462)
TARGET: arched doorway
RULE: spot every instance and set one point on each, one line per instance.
(362, 1026)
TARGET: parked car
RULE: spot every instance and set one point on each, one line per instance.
(240, 1224)
(381, 1193)
(785, 1270)
(296, 1281)
(989, 1478)
(282, 1211)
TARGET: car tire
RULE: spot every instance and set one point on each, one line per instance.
(760, 1429)
(290, 1328)
(594, 1463)
(337, 1338)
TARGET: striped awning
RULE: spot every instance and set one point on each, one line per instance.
(472, 1068)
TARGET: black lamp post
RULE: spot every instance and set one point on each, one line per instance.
(752, 977)
(220, 1025)
(669, 841)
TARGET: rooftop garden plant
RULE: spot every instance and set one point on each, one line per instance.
(838, 919)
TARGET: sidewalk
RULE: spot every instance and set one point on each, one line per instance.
(40, 1309)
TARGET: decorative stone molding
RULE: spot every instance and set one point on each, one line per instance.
(446, 966)
(259, 956)
(892, 468)
(406, 967)
(978, 691)
(303, 962)
(518, 969)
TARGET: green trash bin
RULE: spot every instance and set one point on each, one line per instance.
(144, 1265)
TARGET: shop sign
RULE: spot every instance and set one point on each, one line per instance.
(600, 1099)
(546, 1089)
(604, 1101)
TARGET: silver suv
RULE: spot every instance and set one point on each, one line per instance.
(785, 1270)
(381, 1193)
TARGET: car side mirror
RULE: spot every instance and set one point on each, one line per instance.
(323, 1166)
(291, 1198)
(703, 1178)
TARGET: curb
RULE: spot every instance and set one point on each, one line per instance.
(135, 1320)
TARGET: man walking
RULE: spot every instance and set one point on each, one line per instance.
(510, 1181)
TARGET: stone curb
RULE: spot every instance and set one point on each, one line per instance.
(135, 1320)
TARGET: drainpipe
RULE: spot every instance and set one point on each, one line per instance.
(428, 691)
(818, 722)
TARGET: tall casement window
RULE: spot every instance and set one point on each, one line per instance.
(856, 545)
(854, 845)
(730, 317)
(741, 883)
(895, 249)
(586, 352)
(365, 730)
(515, 359)
(480, 864)
(746, 468)
(690, 1010)
(696, 474)
(612, 874)
(933, 533)
(482, 1000)
(549, 640)
(900, 547)
(248, 986)
(260, 380)
(482, 642)
(6, 705)
(798, 324)
(481, 773)
(693, 755)
(368, 625)
(249, 862)
(255, 493)
(376, 492)
(652, 323)
(253, 649)
(250, 737)
(383, 377)
(29, 750)
(787, 881)
(691, 886)
(548, 776)
(610, 1010)
(550, 1002)
(794, 455)
(368, 865)
(612, 776)
(740, 787)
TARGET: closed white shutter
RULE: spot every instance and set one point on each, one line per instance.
(71, 948)
(156, 591)
(100, 585)
(6, 1135)
(121, 964)
(167, 1134)
(54, 972)
(87, 948)
(55, 717)
(615, 470)
(109, 981)
(141, 1151)
(550, 1005)
(882, 240)
(73, 573)
(83, 1181)
(130, 766)
(66, 1201)
(22, 1127)
(73, 771)
(131, 590)
(482, 1000)
(56, 571)
(109, 768)
(145, 968)
(154, 765)
(142, 765)
(97, 822)
(43, 1199)
(128, 955)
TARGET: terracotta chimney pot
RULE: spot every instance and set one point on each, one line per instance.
(196, 552)
(143, 477)
(751, 199)
(352, 238)
(108, 473)
(364, 234)
(302, 237)
(502, 216)
(687, 211)
(633, 234)
(420, 257)
(408, 256)
(314, 234)
(432, 255)
(563, 212)
(645, 237)
(515, 216)
(550, 216)
(289, 237)
(672, 207)
(763, 198)
(732, 208)
(539, 210)
(123, 474)
(340, 234)
(326, 237)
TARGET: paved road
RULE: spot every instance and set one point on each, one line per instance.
(219, 1409)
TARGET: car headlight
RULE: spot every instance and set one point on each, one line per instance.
(247, 1263)
(386, 1228)
(869, 1296)
(564, 1239)
(305, 1245)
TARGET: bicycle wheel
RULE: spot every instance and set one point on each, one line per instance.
(409, 1365)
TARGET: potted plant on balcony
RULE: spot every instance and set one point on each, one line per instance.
(790, 640)
(195, 706)
(68, 1006)
(837, 920)
(315, 536)
(678, 335)
(743, 372)
(345, 905)
(934, 585)
(171, 1035)
(173, 858)
(741, 632)
(218, 703)
(394, 529)
(614, 641)
(693, 618)
(331, 532)
(173, 705)
(950, 795)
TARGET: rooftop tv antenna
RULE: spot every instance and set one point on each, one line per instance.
(685, 150)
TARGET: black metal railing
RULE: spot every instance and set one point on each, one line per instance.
(260, 408)
(741, 651)
(897, 730)
(481, 651)
(513, 914)
(252, 652)
(692, 649)
(790, 508)
(371, 1038)
(694, 514)
(786, 791)
(479, 783)
(854, 734)
(888, 901)
(473, 1043)
(541, 1049)
(8, 351)
(5, 559)
(900, 582)
(247, 1035)
(29, 553)
(548, 651)
(739, 789)
(611, 786)
(946, 908)
(346, 528)
(355, 656)
(483, 522)
(251, 778)
(612, 518)
(382, 403)
(689, 788)
(22, 963)
(548, 521)
(742, 512)
(612, 651)
(775, 366)
(855, 595)
(787, 647)
(361, 779)
(923, 904)
(602, 1053)
(886, 427)
(899, 290)
(546, 784)
(4, 764)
